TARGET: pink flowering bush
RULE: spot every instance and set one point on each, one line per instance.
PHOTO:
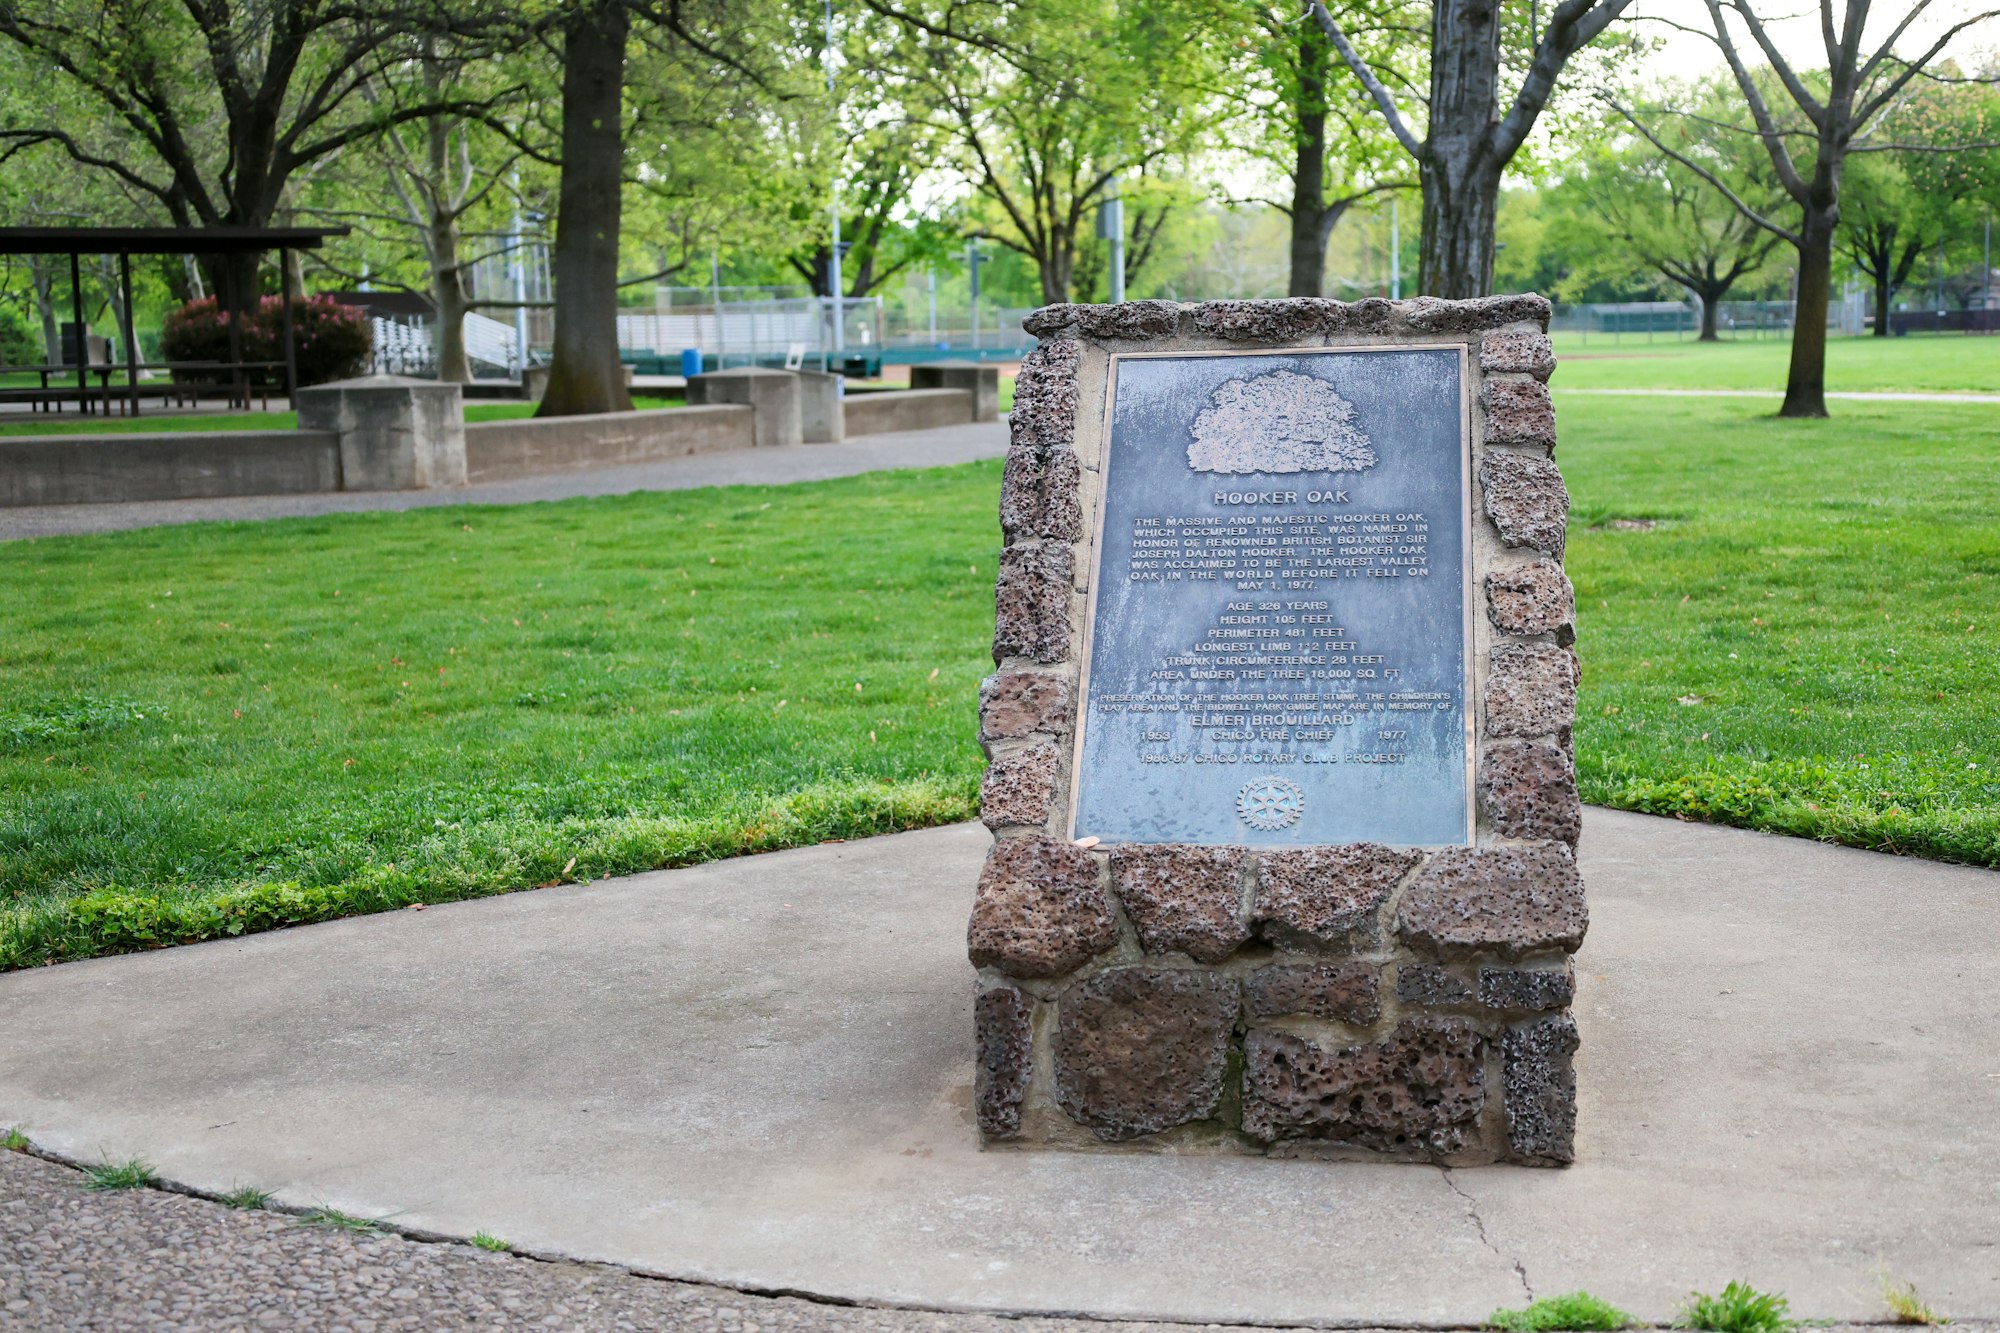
(333, 340)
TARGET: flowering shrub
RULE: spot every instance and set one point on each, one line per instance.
(332, 340)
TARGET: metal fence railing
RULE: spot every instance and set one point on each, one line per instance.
(1649, 321)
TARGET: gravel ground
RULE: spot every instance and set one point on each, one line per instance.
(147, 1259)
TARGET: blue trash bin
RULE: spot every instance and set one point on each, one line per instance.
(690, 361)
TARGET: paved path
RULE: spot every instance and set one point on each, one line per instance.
(157, 1262)
(732, 467)
(756, 1074)
(1883, 397)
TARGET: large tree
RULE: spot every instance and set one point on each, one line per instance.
(1665, 221)
(1467, 143)
(715, 40)
(225, 103)
(430, 200)
(1300, 113)
(1828, 118)
(1886, 227)
(1050, 102)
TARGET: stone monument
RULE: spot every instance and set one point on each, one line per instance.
(1281, 784)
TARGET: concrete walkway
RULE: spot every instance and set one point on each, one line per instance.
(1859, 397)
(757, 1073)
(733, 467)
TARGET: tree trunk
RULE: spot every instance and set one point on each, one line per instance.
(1805, 383)
(1460, 181)
(1457, 255)
(449, 294)
(1056, 266)
(1309, 166)
(1884, 293)
(1711, 298)
(584, 373)
(107, 274)
(41, 270)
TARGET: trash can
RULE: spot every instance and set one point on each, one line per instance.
(690, 361)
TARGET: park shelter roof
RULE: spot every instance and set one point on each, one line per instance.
(160, 240)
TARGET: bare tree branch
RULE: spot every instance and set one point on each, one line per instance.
(1698, 169)
(1384, 99)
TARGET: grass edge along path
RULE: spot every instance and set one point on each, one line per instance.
(122, 920)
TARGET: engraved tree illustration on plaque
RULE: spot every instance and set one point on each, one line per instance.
(1280, 421)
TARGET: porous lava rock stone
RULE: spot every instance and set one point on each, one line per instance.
(1013, 704)
(1021, 482)
(1530, 690)
(1538, 1077)
(1526, 500)
(1062, 497)
(1182, 899)
(1043, 417)
(1534, 598)
(1129, 319)
(1269, 321)
(1528, 988)
(1041, 495)
(1342, 992)
(1419, 1093)
(1317, 896)
(1429, 314)
(1031, 603)
(1019, 787)
(1519, 412)
(1052, 358)
(1040, 910)
(1528, 790)
(1503, 900)
(1056, 319)
(1142, 1049)
(1502, 352)
(1003, 1024)
(1374, 314)
(1427, 983)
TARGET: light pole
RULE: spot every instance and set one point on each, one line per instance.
(834, 285)
(517, 266)
(973, 259)
(1395, 250)
(1111, 227)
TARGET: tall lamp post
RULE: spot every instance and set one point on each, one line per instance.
(973, 259)
(834, 285)
(1111, 227)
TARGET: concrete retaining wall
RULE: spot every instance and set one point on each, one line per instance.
(176, 465)
(912, 409)
(500, 449)
(181, 465)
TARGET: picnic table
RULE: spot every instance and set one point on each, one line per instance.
(188, 383)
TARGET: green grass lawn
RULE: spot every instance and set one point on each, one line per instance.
(43, 424)
(1805, 641)
(220, 728)
(1938, 363)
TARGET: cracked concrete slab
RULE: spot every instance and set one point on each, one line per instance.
(757, 1073)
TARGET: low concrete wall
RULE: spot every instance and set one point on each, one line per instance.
(500, 449)
(172, 465)
(907, 409)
